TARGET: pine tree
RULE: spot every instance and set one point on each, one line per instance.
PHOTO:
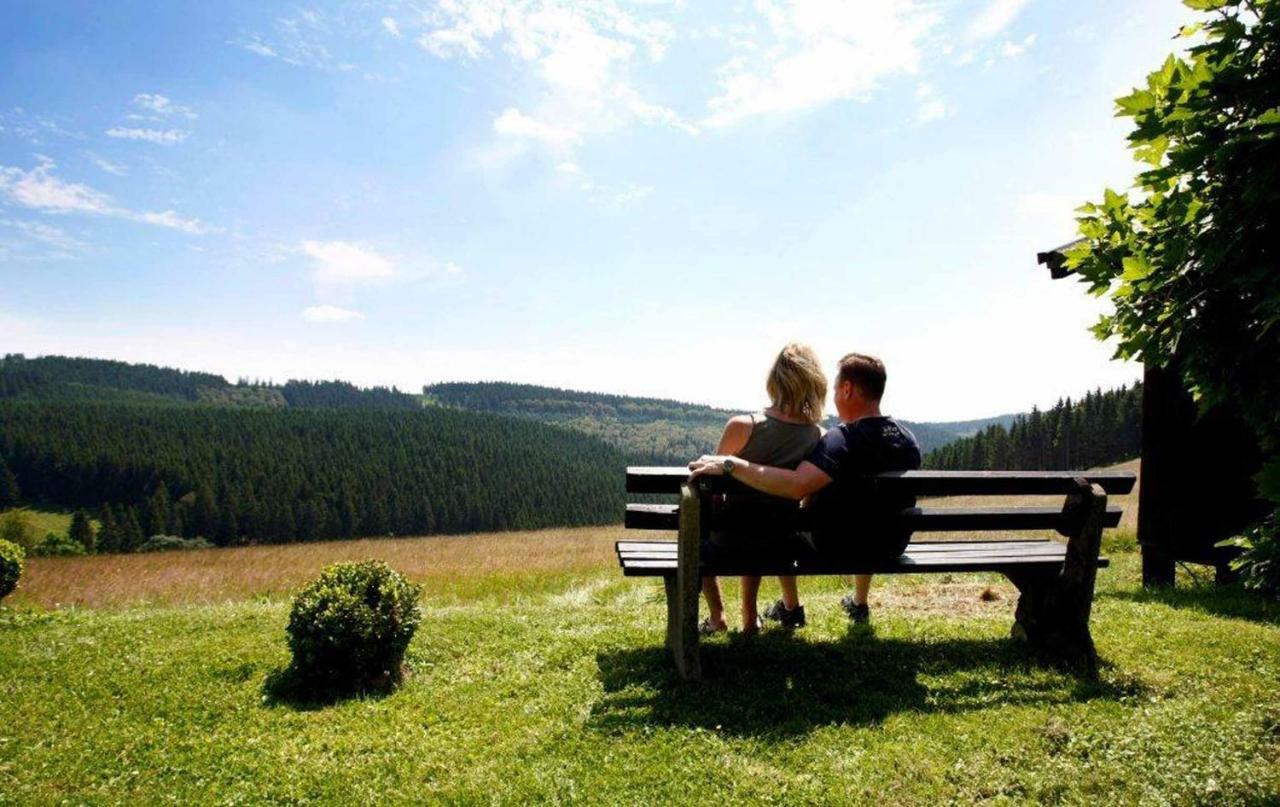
(81, 531)
(9, 492)
(109, 530)
(131, 535)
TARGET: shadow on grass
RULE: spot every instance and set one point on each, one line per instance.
(285, 687)
(1233, 600)
(779, 685)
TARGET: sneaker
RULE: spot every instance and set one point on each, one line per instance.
(858, 614)
(779, 613)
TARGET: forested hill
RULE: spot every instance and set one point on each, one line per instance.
(648, 430)
(50, 378)
(234, 474)
(1099, 429)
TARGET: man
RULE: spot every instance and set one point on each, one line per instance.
(850, 519)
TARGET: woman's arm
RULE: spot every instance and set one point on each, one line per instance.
(736, 433)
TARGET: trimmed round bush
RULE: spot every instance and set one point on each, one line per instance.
(349, 629)
(11, 556)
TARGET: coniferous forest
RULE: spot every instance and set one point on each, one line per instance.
(1102, 428)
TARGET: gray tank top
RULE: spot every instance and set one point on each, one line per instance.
(779, 443)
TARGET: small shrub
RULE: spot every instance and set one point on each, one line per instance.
(11, 556)
(56, 545)
(348, 630)
(167, 543)
(17, 526)
(1259, 564)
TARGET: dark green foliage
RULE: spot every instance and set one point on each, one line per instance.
(11, 556)
(1100, 429)
(81, 531)
(349, 629)
(1259, 565)
(9, 492)
(165, 543)
(233, 475)
(1191, 258)
(57, 545)
(109, 539)
(342, 395)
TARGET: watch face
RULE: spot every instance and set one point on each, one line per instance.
(728, 466)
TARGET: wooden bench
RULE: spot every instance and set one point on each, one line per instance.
(1055, 580)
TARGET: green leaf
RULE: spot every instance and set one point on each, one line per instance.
(1135, 102)
(1136, 268)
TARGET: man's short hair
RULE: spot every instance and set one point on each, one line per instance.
(864, 372)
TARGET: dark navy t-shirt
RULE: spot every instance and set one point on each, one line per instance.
(850, 514)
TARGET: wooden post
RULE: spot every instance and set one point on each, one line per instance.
(1053, 610)
(684, 588)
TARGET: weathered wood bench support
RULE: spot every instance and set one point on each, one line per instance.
(1055, 580)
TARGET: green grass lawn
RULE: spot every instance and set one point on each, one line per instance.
(562, 692)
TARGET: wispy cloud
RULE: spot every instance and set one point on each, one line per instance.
(582, 55)
(162, 137)
(932, 107)
(61, 244)
(818, 52)
(301, 40)
(994, 17)
(159, 106)
(392, 27)
(346, 263)
(515, 123)
(330, 314)
(1010, 49)
(39, 189)
(113, 168)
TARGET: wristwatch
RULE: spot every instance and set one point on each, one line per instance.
(729, 465)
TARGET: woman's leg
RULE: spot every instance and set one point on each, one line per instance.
(750, 592)
(790, 592)
(861, 588)
(715, 605)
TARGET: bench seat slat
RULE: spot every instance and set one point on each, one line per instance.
(655, 558)
(918, 519)
(921, 483)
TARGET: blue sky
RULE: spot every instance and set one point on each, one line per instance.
(645, 197)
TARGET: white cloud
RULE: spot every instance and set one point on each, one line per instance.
(1010, 49)
(581, 54)
(39, 189)
(114, 168)
(345, 262)
(255, 45)
(994, 17)
(932, 107)
(173, 221)
(163, 137)
(160, 106)
(568, 168)
(304, 39)
(392, 27)
(326, 314)
(515, 123)
(824, 51)
(46, 235)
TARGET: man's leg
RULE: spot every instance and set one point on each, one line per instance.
(855, 604)
(715, 604)
(750, 594)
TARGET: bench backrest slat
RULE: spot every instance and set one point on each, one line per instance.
(919, 483)
(917, 519)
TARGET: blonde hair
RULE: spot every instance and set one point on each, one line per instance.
(796, 383)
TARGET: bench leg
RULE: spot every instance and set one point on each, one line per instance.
(683, 589)
(1053, 609)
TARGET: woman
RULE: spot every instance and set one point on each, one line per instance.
(781, 436)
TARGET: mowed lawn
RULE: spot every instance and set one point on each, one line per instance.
(538, 675)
